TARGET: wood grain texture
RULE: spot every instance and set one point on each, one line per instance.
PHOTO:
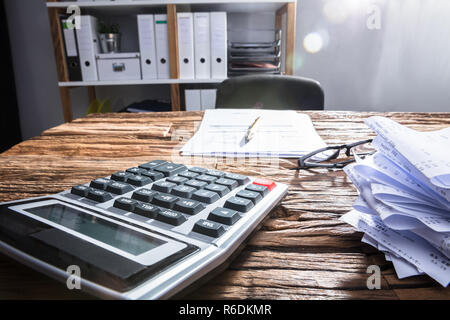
(302, 252)
(291, 14)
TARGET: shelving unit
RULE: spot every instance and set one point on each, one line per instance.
(285, 11)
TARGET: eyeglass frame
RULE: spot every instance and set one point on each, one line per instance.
(302, 164)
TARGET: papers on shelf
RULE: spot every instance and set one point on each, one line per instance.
(279, 134)
(403, 206)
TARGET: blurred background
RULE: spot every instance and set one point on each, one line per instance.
(374, 55)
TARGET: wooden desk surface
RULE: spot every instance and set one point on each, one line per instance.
(302, 252)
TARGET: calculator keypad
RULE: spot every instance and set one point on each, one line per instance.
(169, 195)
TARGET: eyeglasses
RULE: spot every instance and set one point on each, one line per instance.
(317, 158)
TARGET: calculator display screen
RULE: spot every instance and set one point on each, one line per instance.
(115, 235)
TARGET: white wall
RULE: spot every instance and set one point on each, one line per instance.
(34, 66)
(403, 66)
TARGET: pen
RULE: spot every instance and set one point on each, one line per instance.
(251, 130)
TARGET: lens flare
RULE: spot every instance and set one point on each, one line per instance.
(313, 42)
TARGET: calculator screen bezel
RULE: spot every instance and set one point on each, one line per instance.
(147, 258)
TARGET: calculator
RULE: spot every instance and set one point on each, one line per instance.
(150, 232)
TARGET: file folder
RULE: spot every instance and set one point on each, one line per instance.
(71, 50)
(186, 45)
(88, 46)
(193, 100)
(202, 46)
(218, 45)
(147, 45)
(162, 46)
(208, 98)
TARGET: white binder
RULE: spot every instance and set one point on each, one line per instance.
(88, 47)
(202, 45)
(186, 44)
(208, 98)
(218, 45)
(147, 45)
(162, 46)
(193, 100)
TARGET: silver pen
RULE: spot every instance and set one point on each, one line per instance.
(251, 130)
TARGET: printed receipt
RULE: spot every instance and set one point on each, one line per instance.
(404, 244)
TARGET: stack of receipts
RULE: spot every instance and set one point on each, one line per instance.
(279, 134)
(403, 206)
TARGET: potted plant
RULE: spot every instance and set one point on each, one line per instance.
(109, 37)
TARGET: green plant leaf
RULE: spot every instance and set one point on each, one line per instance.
(93, 106)
(105, 106)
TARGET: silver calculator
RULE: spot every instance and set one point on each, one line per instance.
(149, 232)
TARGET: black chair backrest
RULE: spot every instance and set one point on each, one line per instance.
(270, 92)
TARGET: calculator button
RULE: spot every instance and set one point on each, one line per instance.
(224, 215)
(80, 190)
(146, 210)
(177, 179)
(262, 190)
(251, 195)
(100, 183)
(135, 170)
(121, 176)
(197, 170)
(119, 187)
(138, 181)
(239, 204)
(151, 164)
(99, 195)
(145, 195)
(221, 190)
(183, 191)
(264, 182)
(188, 206)
(170, 217)
(125, 204)
(230, 184)
(215, 173)
(209, 228)
(188, 174)
(163, 186)
(164, 200)
(169, 169)
(238, 177)
(196, 184)
(153, 175)
(205, 196)
(206, 178)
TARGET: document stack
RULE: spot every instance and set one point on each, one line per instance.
(403, 207)
(255, 57)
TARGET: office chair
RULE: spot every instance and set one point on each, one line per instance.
(270, 92)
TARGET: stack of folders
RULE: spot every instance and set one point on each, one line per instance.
(255, 57)
(403, 206)
(84, 56)
(154, 46)
(202, 45)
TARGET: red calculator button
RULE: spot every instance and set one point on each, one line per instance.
(264, 182)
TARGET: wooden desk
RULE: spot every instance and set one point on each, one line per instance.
(302, 252)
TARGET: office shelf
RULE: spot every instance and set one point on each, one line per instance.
(218, 5)
(136, 82)
(285, 11)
